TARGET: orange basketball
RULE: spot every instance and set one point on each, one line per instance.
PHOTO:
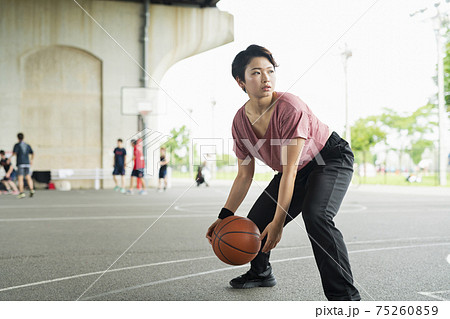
(236, 240)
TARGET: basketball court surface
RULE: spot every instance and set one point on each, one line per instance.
(58, 246)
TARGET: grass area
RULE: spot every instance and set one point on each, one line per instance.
(399, 179)
(380, 179)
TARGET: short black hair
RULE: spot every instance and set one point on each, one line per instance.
(119, 140)
(2, 152)
(133, 142)
(20, 136)
(243, 58)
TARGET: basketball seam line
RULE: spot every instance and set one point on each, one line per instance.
(229, 261)
(241, 232)
(221, 240)
(238, 217)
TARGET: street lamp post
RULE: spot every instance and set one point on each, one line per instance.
(442, 112)
(213, 166)
(443, 120)
(345, 56)
(191, 150)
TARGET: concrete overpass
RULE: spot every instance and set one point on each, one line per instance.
(64, 63)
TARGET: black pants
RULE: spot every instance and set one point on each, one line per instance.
(318, 193)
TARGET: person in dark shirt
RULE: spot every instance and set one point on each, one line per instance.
(120, 155)
(164, 160)
(10, 175)
(24, 156)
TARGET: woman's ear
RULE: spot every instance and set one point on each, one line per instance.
(241, 83)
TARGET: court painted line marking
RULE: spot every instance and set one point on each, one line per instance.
(178, 208)
(376, 241)
(46, 219)
(100, 272)
(432, 294)
(82, 206)
(448, 259)
(195, 259)
(236, 267)
(196, 207)
(87, 205)
(351, 208)
(345, 208)
(185, 260)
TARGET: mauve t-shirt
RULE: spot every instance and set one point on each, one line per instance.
(291, 118)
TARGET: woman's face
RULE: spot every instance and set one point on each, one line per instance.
(260, 78)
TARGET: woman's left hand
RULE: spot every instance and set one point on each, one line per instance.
(273, 231)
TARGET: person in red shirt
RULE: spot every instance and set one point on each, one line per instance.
(139, 166)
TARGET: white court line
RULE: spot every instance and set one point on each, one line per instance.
(347, 209)
(194, 259)
(432, 294)
(377, 241)
(178, 208)
(192, 207)
(46, 219)
(352, 208)
(99, 272)
(235, 267)
(147, 204)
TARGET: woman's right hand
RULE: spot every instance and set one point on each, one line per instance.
(211, 229)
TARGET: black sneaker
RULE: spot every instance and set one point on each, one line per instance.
(251, 280)
(31, 193)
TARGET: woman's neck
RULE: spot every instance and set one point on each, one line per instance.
(259, 106)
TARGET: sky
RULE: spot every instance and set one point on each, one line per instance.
(392, 64)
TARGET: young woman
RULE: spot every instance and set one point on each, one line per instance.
(314, 169)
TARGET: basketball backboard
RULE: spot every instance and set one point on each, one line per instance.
(139, 100)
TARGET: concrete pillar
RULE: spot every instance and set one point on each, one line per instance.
(177, 33)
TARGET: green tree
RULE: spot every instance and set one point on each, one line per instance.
(446, 70)
(366, 133)
(417, 149)
(408, 130)
(178, 146)
(225, 160)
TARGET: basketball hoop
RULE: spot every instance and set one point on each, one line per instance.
(144, 107)
(144, 113)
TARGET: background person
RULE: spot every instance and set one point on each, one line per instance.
(120, 157)
(138, 167)
(163, 162)
(200, 177)
(10, 174)
(24, 156)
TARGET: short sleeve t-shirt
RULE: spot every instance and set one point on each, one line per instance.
(5, 164)
(119, 156)
(139, 162)
(291, 118)
(23, 150)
